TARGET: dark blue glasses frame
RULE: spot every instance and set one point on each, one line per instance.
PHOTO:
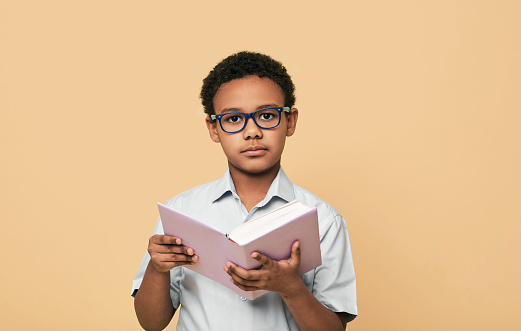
(247, 116)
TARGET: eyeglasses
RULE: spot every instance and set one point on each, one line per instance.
(266, 118)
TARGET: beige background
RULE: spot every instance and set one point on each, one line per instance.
(409, 126)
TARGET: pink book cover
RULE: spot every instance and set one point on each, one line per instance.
(214, 248)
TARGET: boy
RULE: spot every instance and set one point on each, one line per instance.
(249, 100)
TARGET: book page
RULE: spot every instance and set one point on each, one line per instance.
(268, 222)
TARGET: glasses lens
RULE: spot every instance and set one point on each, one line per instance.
(267, 118)
(232, 122)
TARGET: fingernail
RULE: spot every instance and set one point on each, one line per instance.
(255, 255)
(190, 251)
(195, 258)
(178, 241)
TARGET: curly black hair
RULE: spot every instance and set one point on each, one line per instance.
(244, 64)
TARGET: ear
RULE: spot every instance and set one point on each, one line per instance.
(292, 122)
(212, 129)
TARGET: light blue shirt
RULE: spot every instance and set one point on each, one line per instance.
(207, 305)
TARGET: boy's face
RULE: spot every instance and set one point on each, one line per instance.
(252, 150)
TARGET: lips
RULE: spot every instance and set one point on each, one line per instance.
(255, 151)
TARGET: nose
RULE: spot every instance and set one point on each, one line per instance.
(251, 130)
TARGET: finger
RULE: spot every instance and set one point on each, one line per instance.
(241, 275)
(263, 259)
(176, 258)
(248, 281)
(160, 239)
(169, 249)
(294, 259)
(244, 287)
(163, 264)
(168, 244)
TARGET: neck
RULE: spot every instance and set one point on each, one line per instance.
(252, 187)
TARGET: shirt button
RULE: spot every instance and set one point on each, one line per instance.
(243, 299)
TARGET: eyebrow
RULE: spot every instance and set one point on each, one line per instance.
(229, 110)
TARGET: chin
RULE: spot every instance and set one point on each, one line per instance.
(260, 169)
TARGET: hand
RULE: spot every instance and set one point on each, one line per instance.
(167, 252)
(278, 276)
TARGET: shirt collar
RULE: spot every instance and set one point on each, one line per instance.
(280, 187)
(223, 186)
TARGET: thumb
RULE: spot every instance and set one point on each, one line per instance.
(294, 259)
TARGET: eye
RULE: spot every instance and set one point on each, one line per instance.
(268, 115)
(233, 118)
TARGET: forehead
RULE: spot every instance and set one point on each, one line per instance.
(247, 94)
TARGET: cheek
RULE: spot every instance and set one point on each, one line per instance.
(278, 141)
(228, 143)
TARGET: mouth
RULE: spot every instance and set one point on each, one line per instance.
(254, 151)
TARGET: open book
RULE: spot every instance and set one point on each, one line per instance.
(271, 234)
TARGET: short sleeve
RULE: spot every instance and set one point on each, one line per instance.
(138, 278)
(175, 274)
(334, 283)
